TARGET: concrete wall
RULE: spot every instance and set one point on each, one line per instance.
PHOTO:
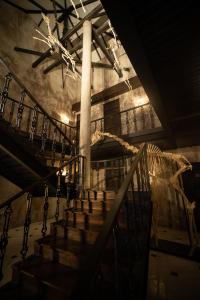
(8, 189)
(105, 78)
(18, 29)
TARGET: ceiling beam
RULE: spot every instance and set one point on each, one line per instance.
(58, 4)
(111, 92)
(28, 51)
(69, 33)
(37, 11)
(133, 46)
(15, 5)
(43, 9)
(71, 8)
(96, 65)
(76, 47)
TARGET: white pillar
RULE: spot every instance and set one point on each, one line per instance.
(85, 134)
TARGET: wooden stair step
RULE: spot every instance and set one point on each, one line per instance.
(44, 277)
(64, 251)
(101, 195)
(73, 233)
(87, 218)
(92, 205)
(82, 225)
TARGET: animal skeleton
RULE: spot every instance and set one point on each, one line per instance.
(74, 6)
(154, 157)
(56, 46)
(113, 46)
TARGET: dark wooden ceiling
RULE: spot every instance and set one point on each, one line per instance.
(162, 40)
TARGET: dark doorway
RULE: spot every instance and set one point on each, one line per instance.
(112, 119)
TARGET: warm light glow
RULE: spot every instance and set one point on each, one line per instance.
(64, 118)
(140, 101)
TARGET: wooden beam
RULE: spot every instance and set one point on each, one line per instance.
(131, 41)
(71, 8)
(15, 5)
(89, 16)
(38, 12)
(96, 65)
(28, 51)
(76, 47)
(106, 53)
(111, 92)
(58, 4)
(43, 9)
(68, 34)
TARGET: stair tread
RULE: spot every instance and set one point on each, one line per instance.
(94, 212)
(66, 245)
(93, 227)
(51, 273)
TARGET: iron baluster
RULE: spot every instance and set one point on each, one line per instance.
(49, 131)
(152, 116)
(135, 120)
(20, 109)
(27, 225)
(11, 112)
(4, 237)
(127, 123)
(58, 195)
(98, 175)
(4, 93)
(62, 157)
(116, 261)
(44, 133)
(45, 209)
(34, 123)
(29, 119)
(53, 147)
(143, 117)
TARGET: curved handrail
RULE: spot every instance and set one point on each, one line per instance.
(30, 107)
(18, 81)
(36, 183)
(91, 264)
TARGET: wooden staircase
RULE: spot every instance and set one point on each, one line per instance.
(53, 271)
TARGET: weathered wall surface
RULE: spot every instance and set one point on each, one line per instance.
(104, 78)
(8, 189)
(18, 29)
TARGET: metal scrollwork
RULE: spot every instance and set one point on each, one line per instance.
(4, 93)
(34, 123)
(4, 236)
(45, 209)
(27, 225)
(20, 109)
(44, 133)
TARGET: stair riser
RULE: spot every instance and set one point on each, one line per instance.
(98, 196)
(93, 207)
(66, 258)
(75, 234)
(86, 219)
(46, 292)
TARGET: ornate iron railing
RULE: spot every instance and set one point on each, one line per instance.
(109, 173)
(71, 172)
(133, 120)
(31, 119)
(122, 247)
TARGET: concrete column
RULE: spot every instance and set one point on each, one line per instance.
(85, 134)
